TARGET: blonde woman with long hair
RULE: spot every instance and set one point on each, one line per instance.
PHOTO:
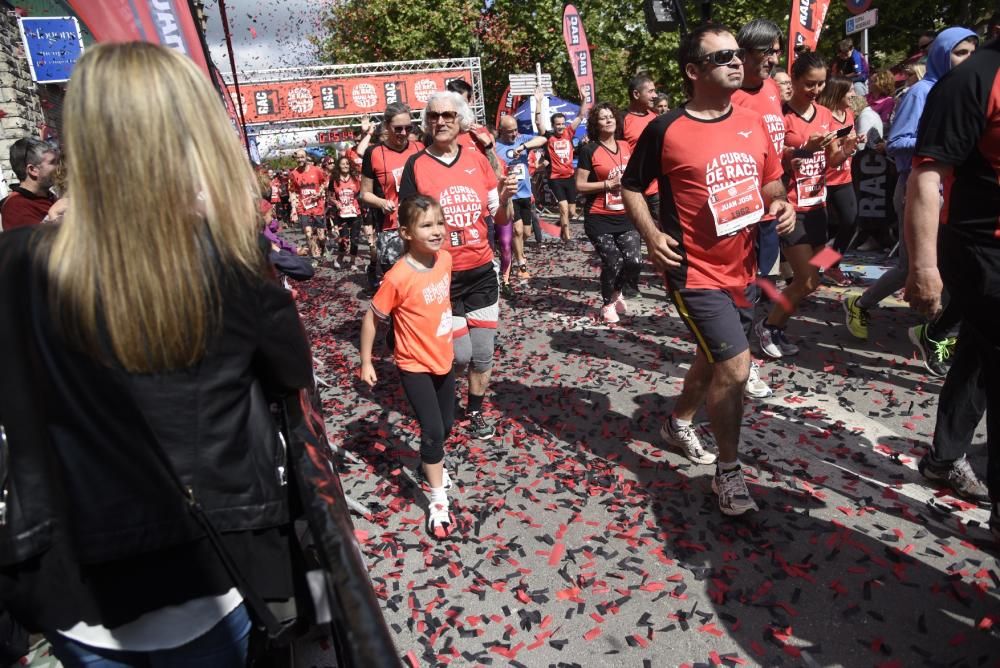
(147, 324)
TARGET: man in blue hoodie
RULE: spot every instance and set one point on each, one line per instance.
(951, 47)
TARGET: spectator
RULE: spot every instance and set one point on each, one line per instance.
(34, 163)
(852, 65)
(156, 328)
(784, 82)
(880, 95)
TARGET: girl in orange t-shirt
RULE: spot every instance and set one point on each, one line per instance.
(416, 294)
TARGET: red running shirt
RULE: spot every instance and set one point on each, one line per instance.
(560, 149)
(807, 187)
(766, 101)
(603, 165)
(310, 186)
(711, 173)
(632, 126)
(345, 194)
(462, 188)
(384, 165)
(840, 175)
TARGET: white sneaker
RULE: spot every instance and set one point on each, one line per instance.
(609, 313)
(773, 342)
(620, 304)
(734, 497)
(756, 387)
(686, 440)
(787, 347)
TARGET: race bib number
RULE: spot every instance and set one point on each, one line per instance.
(520, 170)
(736, 207)
(347, 208)
(811, 190)
(613, 201)
(445, 326)
(310, 198)
(563, 150)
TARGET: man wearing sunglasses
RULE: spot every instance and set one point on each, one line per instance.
(761, 40)
(381, 171)
(719, 175)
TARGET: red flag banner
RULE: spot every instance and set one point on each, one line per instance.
(805, 24)
(579, 53)
(508, 104)
(167, 22)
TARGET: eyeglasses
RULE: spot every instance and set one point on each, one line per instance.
(768, 52)
(446, 116)
(723, 57)
(401, 129)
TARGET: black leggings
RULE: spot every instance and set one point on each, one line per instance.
(621, 260)
(842, 205)
(433, 400)
(348, 234)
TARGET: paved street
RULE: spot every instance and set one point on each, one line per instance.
(583, 542)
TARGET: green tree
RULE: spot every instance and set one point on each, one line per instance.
(512, 35)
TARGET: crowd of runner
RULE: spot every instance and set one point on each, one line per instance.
(765, 194)
(446, 208)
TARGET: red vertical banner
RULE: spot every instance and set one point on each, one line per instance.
(167, 22)
(508, 104)
(579, 53)
(804, 25)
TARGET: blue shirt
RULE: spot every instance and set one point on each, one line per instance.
(506, 153)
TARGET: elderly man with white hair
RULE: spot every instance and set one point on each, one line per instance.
(465, 185)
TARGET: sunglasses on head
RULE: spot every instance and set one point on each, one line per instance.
(723, 57)
(446, 116)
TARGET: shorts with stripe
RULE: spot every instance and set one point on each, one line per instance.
(719, 319)
(475, 298)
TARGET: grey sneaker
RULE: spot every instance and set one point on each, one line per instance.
(936, 355)
(958, 475)
(686, 440)
(479, 427)
(734, 497)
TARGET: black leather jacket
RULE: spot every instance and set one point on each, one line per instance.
(78, 464)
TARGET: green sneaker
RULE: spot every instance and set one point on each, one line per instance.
(936, 355)
(857, 317)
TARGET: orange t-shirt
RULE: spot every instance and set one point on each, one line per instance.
(632, 126)
(419, 301)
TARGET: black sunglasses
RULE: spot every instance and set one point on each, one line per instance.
(768, 52)
(446, 116)
(401, 128)
(723, 57)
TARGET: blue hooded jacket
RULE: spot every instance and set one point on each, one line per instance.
(903, 135)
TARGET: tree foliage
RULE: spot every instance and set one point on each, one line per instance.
(512, 35)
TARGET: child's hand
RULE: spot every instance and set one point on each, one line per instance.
(368, 374)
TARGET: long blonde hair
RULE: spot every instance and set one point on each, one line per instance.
(162, 198)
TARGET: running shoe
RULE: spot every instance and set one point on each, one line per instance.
(479, 427)
(958, 475)
(523, 273)
(609, 313)
(773, 341)
(935, 355)
(336, 263)
(857, 317)
(836, 276)
(756, 387)
(686, 440)
(734, 497)
(621, 306)
(440, 522)
(507, 292)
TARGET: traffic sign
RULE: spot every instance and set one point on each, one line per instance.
(862, 21)
(857, 6)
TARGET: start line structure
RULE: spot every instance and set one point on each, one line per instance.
(296, 107)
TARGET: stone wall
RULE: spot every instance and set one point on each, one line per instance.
(20, 109)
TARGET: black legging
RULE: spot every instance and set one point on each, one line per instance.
(433, 400)
(842, 205)
(621, 260)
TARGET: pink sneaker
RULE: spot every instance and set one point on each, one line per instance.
(609, 313)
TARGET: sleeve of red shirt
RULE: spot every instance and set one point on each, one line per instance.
(772, 161)
(644, 165)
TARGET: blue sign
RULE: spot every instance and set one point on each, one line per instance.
(53, 45)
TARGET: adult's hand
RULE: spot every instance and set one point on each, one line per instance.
(661, 250)
(784, 216)
(923, 291)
